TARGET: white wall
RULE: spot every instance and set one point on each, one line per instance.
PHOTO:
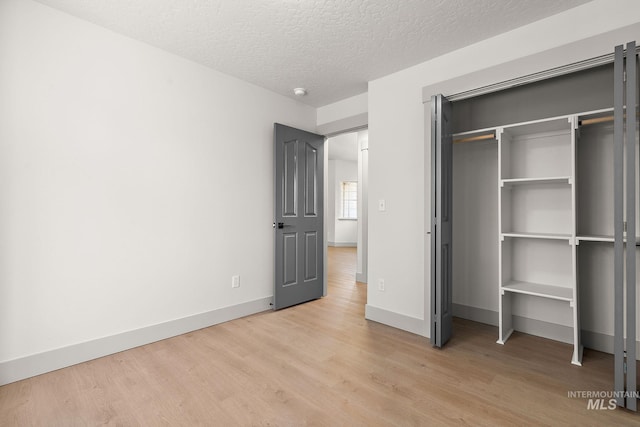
(340, 110)
(341, 232)
(133, 183)
(330, 199)
(363, 206)
(400, 166)
(346, 115)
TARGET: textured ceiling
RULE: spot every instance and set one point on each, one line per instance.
(331, 47)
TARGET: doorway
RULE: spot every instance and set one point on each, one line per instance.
(346, 204)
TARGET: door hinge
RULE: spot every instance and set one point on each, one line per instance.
(624, 76)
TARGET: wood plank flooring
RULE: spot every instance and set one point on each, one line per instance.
(321, 363)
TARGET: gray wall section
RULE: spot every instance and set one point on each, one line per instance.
(475, 224)
(586, 90)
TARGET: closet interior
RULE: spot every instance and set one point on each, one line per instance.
(543, 179)
(533, 210)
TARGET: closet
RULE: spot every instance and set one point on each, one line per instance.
(542, 222)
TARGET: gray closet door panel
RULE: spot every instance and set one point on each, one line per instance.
(441, 221)
(632, 402)
(625, 193)
(618, 214)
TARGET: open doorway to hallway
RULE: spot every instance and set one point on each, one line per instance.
(341, 276)
(347, 187)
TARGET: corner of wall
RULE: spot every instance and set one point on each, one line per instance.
(342, 116)
(397, 320)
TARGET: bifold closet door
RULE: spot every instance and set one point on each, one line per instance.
(625, 156)
(441, 221)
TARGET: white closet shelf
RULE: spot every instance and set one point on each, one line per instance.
(595, 238)
(552, 236)
(539, 290)
(555, 124)
(543, 180)
(601, 238)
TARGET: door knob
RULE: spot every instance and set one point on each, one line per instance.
(281, 225)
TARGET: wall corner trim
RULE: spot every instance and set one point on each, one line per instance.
(41, 363)
(397, 320)
(348, 124)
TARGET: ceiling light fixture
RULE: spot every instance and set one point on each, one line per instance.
(300, 91)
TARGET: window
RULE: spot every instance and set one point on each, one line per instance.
(349, 191)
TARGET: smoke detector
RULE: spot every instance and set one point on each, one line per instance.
(300, 91)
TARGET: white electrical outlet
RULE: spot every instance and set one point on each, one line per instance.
(382, 205)
(381, 285)
(235, 281)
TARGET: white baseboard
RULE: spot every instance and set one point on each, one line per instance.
(602, 342)
(361, 277)
(543, 329)
(539, 328)
(476, 314)
(396, 320)
(36, 364)
(343, 244)
(592, 340)
(597, 341)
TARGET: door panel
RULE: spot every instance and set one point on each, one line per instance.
(299, 234)
(289, 178)
(441, 221)
(311, 256)
(290, 258)
(618, 213)
(625, 196)
(311, 181)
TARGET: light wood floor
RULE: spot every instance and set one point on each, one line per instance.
(321, 363)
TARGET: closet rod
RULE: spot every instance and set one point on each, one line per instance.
(583, 122)
(475, 138)
(596, 120)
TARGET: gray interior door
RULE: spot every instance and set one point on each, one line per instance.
(441, 221)
(299, 216)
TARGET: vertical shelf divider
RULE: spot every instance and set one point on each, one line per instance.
(576, 359)
(505, 323)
